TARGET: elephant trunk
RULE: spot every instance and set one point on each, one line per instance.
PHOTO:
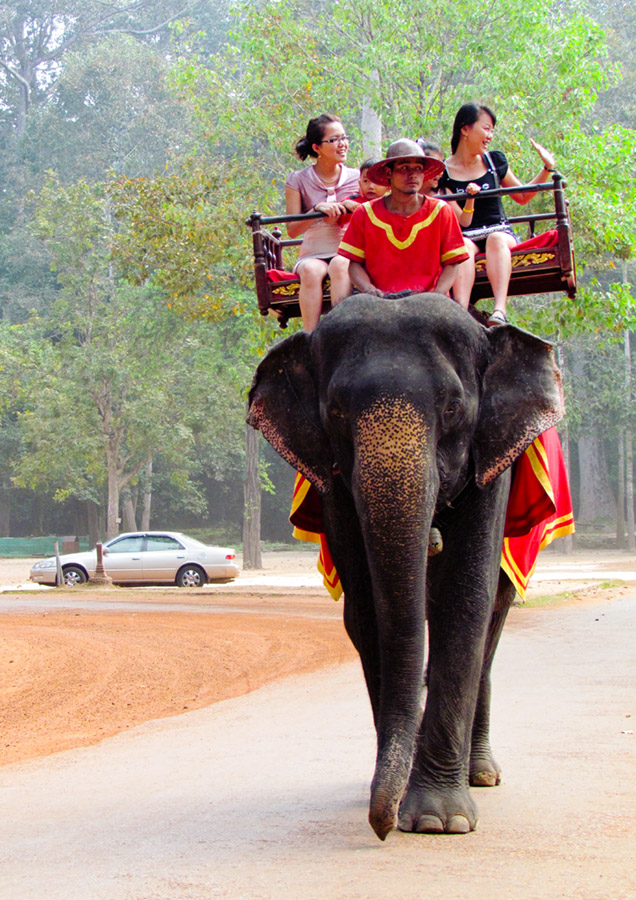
(395, 486)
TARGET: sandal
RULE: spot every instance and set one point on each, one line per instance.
(497, 317)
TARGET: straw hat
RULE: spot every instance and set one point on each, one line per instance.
(400, 151)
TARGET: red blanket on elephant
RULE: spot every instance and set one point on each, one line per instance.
(539, 510)
(539, 507)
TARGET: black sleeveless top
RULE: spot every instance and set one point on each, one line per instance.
(488, 210)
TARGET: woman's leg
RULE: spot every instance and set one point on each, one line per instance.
(340, 281)
(465, 277)
(499, 265)
(311, 272)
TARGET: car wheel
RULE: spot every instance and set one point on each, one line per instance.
(73, 575)
(191, 576)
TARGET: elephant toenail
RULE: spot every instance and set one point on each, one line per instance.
(484, 779)
(430, 825)
(459, 825)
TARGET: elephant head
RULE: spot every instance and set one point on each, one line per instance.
(399, 411)
(498, 388)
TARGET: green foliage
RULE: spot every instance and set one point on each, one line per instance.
(415, 64)
(605, 314)
(128, 315)
(185, 233)
(110, 108)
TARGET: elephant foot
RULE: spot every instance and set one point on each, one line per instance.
(484, 771)
(429, 811)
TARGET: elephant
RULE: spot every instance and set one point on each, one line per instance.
(406, 414)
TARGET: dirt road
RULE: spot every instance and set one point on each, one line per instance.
(264, 795)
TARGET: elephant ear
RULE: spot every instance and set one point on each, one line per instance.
(522, 396)
(283, 406)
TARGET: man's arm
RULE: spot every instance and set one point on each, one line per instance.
(352, 247)
(360, 278)
(446, 279)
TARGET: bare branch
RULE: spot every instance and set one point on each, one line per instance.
(15, 75)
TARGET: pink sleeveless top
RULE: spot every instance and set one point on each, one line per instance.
(322, 239)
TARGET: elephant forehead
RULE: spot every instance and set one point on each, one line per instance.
(391, 439)
(388, 421)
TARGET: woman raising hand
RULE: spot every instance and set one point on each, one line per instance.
(483, 221)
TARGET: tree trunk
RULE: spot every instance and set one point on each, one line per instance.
(146, 499)
(112, 515)
(252, 558)
(371, 126)
(5, 513)
(620, 503)
(568, 540)
(629, 454)
(128, 510)
(93, 524)
(629, 490)
(596, 500)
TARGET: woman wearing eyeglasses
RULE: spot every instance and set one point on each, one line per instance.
(322, 186)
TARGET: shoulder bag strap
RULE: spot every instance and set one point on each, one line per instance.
(492, 168)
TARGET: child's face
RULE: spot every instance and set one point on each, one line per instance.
(430, 186)
(369, 189)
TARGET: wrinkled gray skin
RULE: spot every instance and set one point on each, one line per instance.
(403, 414)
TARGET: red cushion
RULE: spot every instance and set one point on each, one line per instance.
(547, 239)
(281, 275)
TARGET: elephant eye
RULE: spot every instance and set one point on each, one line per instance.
(335, 412)
(451, 411)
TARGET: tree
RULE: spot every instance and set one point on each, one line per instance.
(109, 109)
(414, 65)
(113, 351)
(35, 35)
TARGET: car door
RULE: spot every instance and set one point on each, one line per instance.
(163, 557)
(123, 558)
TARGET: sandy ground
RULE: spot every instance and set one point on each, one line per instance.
(81, 665)
(264, 796)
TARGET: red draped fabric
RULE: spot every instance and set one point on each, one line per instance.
(281, 275)
(306, 517)
(539, 510)
(547, 239)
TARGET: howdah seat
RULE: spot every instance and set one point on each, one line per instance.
(543, 263)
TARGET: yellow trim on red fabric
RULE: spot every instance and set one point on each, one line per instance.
(560, 527)
(511, 569)
(301, 488)
(330, 580)
(309, 536)
(538, 459)
(353, 250)
(415, 230)
(451, 253)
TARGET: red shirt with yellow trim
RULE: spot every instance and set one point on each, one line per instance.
(404, 252)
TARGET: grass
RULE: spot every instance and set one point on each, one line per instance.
(546, 600)
(566, 596)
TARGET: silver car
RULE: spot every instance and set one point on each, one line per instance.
(147, 557)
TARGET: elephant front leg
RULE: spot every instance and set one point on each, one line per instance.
(437, 799)
(484, 769)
